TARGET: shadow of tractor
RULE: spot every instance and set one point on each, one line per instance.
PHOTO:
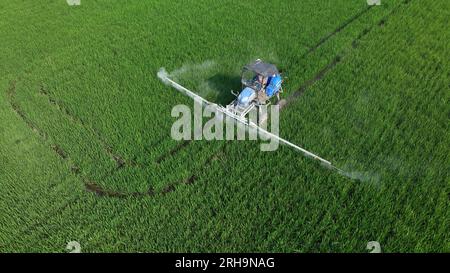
(224, 84)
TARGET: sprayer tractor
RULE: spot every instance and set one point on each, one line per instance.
(260, 83)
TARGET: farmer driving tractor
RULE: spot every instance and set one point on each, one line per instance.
(262, 96)
(265, 88)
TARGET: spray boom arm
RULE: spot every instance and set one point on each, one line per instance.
(162, 74)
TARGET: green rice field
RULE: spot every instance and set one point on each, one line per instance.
(86, 152)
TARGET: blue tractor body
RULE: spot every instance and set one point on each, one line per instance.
(274, 85)
(260, 82)
(246, 96)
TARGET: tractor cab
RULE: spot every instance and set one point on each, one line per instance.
(260, 82)
(258, 74)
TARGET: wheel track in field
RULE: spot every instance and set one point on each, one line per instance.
(120, 161)
(338, 58)
(74, 168)
(89, 184)
(10, 94)
(340, 28)
(173, 151)
(92, 186)
(100, 191)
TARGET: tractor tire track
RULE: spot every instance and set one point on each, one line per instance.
(74, 168)
(313, 80)
(16, 109)
(10, 93)
(338, 58)
(100, 191)
(89, 184)
(336, 31)
(173, 151)
(120, 161)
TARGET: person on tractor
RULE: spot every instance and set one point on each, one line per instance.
(262, 96)
(262, 80)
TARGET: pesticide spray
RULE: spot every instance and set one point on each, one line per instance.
(195, 74)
